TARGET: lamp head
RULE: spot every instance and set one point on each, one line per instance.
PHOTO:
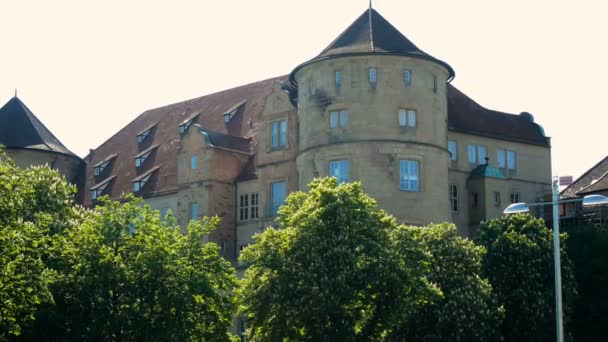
(592, 200)
(516, 208)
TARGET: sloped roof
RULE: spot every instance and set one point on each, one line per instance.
(467, 116)
(594, 180)
(205, 111)
(20, 128)
(371, 33)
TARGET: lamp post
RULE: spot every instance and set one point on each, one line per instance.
(590, 200)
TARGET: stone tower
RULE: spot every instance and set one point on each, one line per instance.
(377, 103)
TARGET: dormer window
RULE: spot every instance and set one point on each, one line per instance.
(140, 182)
(230, 113)
(373, 76)
(98, 189)
(140, 158)
(183, 127)
(143, 135)
(102, 165)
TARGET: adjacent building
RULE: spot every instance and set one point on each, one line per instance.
(371, 107)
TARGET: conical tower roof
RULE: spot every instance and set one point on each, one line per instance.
(372, 34)
(20, 128)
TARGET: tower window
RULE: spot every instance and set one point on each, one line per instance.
(338, 119)
(373, 76)
(434, 84)
(407, 77)
(409, 175)
(407, 118)
(339, 169)
(278, 134)
(338, 79)
(454, 198)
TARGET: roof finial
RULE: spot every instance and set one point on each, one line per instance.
(370, 4)
(371, 29)
(15, 92)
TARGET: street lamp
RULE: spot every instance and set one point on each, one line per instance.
(590, 200)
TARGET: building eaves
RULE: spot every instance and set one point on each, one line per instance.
(102, 183)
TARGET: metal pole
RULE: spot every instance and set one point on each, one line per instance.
(556, 255)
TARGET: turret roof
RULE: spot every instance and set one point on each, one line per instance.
(20, 128)
(371, 33)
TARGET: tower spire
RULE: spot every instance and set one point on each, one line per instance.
(371, 29)
(15, 92)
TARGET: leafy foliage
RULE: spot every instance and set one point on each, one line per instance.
(467, 309)
(520, 267)
(35, 205)
(588, 250)
(330, 273)
(125, 274)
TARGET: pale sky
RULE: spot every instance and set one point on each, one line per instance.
(87, 68)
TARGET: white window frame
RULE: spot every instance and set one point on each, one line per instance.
(453, 149)
(340, 169)
(409, 175)
(338, 119)
(454, 201)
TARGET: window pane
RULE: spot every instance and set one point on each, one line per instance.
(407, 77)
(372, 75)
(338, 78)
(409, 177)
(339, 169)
(275, 134)
(283, 141)
(411, 118)
(194, 211)
(500, 156)
(453, 148)
(333, 119)
(482, 154)
(278, 194)
(343, 119)
(402, 118)
(193, 162)
(472, 154)
(511, 160)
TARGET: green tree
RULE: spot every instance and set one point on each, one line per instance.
(35, 205)
(588, 250)
(467, 310)
(125, 274)
(519, 265)
(329, 273)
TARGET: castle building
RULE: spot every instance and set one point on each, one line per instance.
(371, 107)
(29, 143)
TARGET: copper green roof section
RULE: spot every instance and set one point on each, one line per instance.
(370, 34)
(486, 171)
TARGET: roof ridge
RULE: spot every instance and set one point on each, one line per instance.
(584, 174)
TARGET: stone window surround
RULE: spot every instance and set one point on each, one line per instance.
(421, 178)
(279, 147)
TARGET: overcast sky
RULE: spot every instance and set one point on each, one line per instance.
(87, 68)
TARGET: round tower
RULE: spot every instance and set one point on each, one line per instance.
(372, 108)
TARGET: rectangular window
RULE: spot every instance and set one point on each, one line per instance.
(254, 206)
(244, 207)
(407, 77)
(409, 175)
(472, 149)
(496, 199)
(194, 211)
(338, 79)
(515, 197)
(193, 162)
(411, 118)
(434, 84)
(402, 118)
(373, 75)
(339, 169)
(501, 158)
(454, 198)
(511, 164)
(453, 148)
(482, 153)
(338, 119)
(278, 193)
(278, 134)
